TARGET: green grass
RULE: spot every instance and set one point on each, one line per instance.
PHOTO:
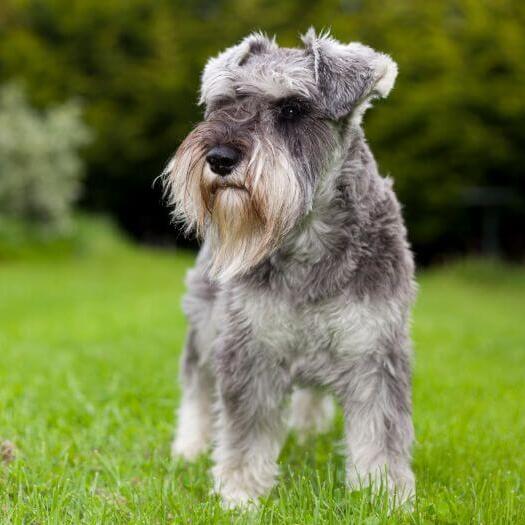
(89, 350)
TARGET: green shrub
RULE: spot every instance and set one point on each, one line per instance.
(40, 167)
(87, 235)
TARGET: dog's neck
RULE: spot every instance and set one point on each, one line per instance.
(342, 197)
(352, 241)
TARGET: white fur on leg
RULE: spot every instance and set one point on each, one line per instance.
(370, 466)
(241, 483)
(242, 474)
(379, 479)
(193, 433)
(241, 486)
(311, 412)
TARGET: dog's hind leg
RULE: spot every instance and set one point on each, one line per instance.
(194, 421)
(194, 416)
(311, 412)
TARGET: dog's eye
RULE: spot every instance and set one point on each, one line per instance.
(291, 110)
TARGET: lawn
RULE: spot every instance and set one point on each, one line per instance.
(89, 348)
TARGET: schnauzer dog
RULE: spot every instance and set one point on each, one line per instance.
(304, 282)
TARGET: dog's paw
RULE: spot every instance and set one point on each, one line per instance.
(237, 500)
(401, 492)
(240, 485)
(188, 448)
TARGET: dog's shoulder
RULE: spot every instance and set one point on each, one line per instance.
(385, 264)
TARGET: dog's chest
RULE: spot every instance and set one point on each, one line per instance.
(338, 325)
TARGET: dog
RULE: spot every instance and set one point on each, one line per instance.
(304, 282)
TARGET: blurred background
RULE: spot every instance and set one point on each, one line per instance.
(95, 96)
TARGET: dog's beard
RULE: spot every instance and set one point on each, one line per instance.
(245, 215)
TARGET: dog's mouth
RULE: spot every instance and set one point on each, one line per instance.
(220, 185)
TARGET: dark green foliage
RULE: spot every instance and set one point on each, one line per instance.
(453, 121)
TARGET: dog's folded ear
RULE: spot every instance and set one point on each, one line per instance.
(348, 76)
(216, 80)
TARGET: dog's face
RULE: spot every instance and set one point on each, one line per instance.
(276, 121)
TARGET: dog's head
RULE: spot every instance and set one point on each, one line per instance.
(276, 122)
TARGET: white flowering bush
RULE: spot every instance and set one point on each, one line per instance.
(40, 166)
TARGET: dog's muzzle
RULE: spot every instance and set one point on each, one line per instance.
(222, 159)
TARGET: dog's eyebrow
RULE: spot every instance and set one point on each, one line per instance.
(217, 102)
(291, 98)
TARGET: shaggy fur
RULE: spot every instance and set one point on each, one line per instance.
(305, 280)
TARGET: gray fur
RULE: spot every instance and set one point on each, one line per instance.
(328, 307)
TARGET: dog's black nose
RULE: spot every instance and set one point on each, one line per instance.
(222, 159)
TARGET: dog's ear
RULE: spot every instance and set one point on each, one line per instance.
(216, 80)
(348, 76)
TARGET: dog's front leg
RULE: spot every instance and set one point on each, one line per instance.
(376, 398)
(251, 387)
